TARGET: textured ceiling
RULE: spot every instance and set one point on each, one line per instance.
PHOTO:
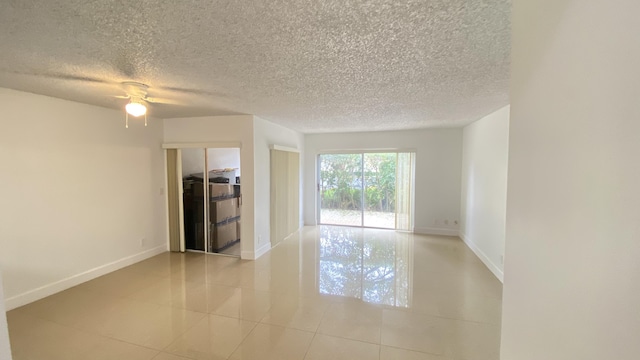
(312, 65)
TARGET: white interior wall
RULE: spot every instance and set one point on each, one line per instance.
(222, 158)
(5, 345)
(192, 161)
(211, 129)
(266, 134)
(483, 209)
(572, 269)
(437, 175)
(81, 194)
(217, 158)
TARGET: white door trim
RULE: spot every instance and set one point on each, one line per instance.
(283, 148)
(205, 145)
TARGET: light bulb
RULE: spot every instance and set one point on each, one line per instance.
(136, 109)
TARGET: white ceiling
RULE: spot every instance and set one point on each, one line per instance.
(311, 65)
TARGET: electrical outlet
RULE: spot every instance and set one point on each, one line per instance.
(501, 259)
(142, 242)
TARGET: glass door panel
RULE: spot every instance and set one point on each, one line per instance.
(380, 190)
(193, 174)
(341, 189)
(223, 165)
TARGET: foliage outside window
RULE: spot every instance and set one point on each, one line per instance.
(342, 181)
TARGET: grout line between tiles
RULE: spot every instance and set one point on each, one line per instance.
(91, 332)
(309, 346)
(255, 325)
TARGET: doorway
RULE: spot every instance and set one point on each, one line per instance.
(366, 189)
(211, 200)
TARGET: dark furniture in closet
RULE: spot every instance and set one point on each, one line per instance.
(224, 214)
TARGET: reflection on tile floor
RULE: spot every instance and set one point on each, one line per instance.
(326, 293)
(369, 267)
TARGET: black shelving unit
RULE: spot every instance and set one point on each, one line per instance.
(223, 229)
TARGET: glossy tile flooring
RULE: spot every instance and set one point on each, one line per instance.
(325, 293)
(233, 250)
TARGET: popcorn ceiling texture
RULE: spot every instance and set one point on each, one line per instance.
(314, 66)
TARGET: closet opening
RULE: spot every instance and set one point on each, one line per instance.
(208, 195)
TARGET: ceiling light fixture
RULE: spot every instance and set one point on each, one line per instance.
(135, 108)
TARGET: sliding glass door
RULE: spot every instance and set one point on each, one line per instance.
(380, 190)
(370, 189)
(211, 199)
(341, 189)
(194, 199)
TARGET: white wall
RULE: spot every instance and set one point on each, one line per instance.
(266, 134)
(218, 158)
(438, 169)
(5, 346)
(572, 261)
(223, 158)
(483, 210)
(79, 193)
(211, 129)
(192, 161)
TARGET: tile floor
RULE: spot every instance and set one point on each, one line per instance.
(233, 250)
(326, 293)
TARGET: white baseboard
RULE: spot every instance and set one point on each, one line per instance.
(436, 231)
(483, 257)
(252, 255)
(263, 250)
(71, 281)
